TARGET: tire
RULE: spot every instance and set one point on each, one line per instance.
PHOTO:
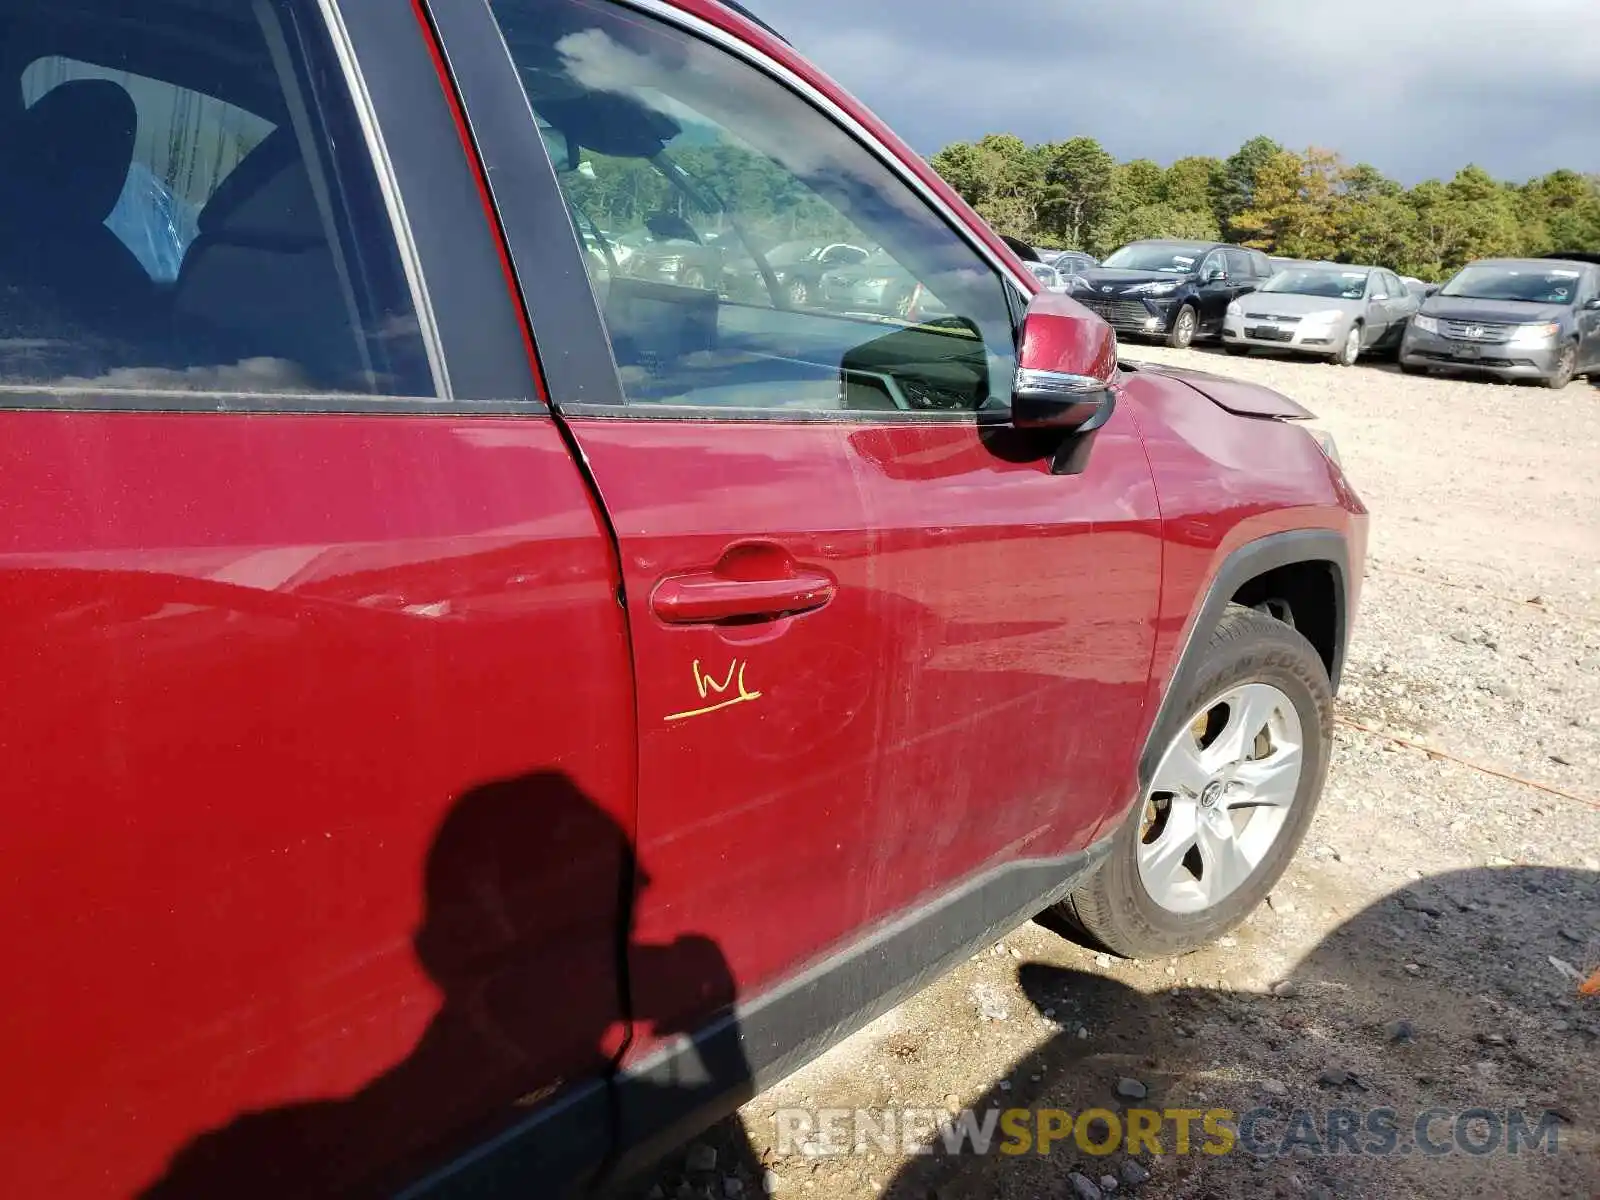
(1184, 324)
(1115, 906)
(796, 292)
(1412, 368)
(1565, 366)
(1236, 351)
(692, 277)
(1351, 350)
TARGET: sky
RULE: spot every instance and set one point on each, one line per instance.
(1418, 88)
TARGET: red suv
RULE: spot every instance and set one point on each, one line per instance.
(475, 713)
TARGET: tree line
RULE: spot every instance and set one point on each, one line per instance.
(1298, 204)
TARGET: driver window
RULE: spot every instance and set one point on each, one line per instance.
(745, 250)
(1213, 263)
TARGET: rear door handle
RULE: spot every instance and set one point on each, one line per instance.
(732, 591)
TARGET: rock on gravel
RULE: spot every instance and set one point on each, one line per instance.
(1133, 1172)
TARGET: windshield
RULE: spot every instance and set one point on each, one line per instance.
(1335, 285)
(1535, 285)
(1179, 260)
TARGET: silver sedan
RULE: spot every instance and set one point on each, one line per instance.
(1327, 309)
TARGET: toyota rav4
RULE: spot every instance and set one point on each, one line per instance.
(475, 712)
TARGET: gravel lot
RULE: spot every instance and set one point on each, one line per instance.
(1420, 954)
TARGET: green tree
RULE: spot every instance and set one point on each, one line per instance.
(964, 167)
(1001, 177)
(1236, 191)
(1154, 221)
(1078, 186)
(1292, 210)
(1139, 183)
(1194, 184)
(1560, 211)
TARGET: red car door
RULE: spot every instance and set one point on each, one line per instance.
(883, 654)
(318, 724)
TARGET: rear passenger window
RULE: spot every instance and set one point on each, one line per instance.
(189, 207)
(1239, 264)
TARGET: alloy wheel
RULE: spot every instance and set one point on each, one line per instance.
(1352, 347)
(1220, 797)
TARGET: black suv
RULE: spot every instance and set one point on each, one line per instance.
(1171, 289)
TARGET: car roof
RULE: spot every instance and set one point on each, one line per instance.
(1529, 262)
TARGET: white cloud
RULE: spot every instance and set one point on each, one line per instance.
(1418, 87)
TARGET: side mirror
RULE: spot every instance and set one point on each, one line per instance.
(1066, 368)
(1214, 275)
(1593, 302)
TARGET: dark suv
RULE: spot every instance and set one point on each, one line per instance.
(1175, 290)
(473, 714)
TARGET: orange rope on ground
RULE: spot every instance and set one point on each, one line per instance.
(1480, 768)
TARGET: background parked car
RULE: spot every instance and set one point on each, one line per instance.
(1070, 262)
(1048, 275)
(797, 266)
(879, 284)
(1337, 312)
(1178, 290)
(674, 252)
(1512, 318)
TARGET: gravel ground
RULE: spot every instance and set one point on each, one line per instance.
(1422, 952)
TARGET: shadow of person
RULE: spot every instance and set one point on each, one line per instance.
(1453, 1003)
(529, 888)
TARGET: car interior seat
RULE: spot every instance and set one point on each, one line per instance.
(261, 273)
(70, 159)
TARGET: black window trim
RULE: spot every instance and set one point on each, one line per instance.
(582, 375)
(388, 186)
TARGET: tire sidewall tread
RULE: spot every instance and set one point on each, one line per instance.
(1113, 907)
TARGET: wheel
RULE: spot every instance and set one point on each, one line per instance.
(1351, 350)
(1412, 368)
(1183, 327)
(1236, 351)
(693, 277)
(796, 292)
(1229, 801)
(1565, 366)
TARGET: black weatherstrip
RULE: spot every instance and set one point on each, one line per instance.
(460, 261)
(574, 352)
(786, 1028)
(1244, 564)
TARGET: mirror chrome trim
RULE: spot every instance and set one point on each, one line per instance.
(1058, 383)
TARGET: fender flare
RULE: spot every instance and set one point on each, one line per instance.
(1238, 568)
